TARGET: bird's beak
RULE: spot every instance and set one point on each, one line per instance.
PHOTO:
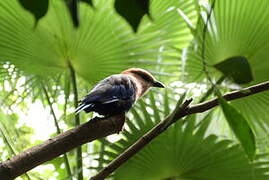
(158, 84)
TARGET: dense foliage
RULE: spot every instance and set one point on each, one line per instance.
(190, 45)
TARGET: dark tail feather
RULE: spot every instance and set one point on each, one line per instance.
(82, 107)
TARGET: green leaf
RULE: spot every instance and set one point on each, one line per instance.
(236, 28)
(237, 68)
(132, 10)
(231, 34)
(240, 127)
(91, 47)
(37, 8)
(103, 45)
(255, 109)
(183, 151)
(88, 2)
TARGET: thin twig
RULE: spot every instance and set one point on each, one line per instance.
(58, 130)
(201, 107)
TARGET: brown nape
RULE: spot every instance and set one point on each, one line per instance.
(143, 80)
(143, 74)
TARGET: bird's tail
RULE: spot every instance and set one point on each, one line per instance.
(82, 107)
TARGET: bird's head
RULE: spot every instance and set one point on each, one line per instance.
(144, 77)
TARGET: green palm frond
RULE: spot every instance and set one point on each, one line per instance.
(48, 48)
(236, 28)
(184, 151)
(102, 45)
(157, 42)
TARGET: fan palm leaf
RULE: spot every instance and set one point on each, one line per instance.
(184, 151)
(235, 28)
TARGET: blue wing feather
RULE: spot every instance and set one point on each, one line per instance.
(112, 90)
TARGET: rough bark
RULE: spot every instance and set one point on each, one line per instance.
(56, 146)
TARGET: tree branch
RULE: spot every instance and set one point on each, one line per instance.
(159, 128)
(98, 128)
(56, 146)
(198, 108)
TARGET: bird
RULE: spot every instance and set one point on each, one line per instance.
(117, 93)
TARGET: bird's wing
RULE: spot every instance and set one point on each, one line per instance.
(111, 89)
